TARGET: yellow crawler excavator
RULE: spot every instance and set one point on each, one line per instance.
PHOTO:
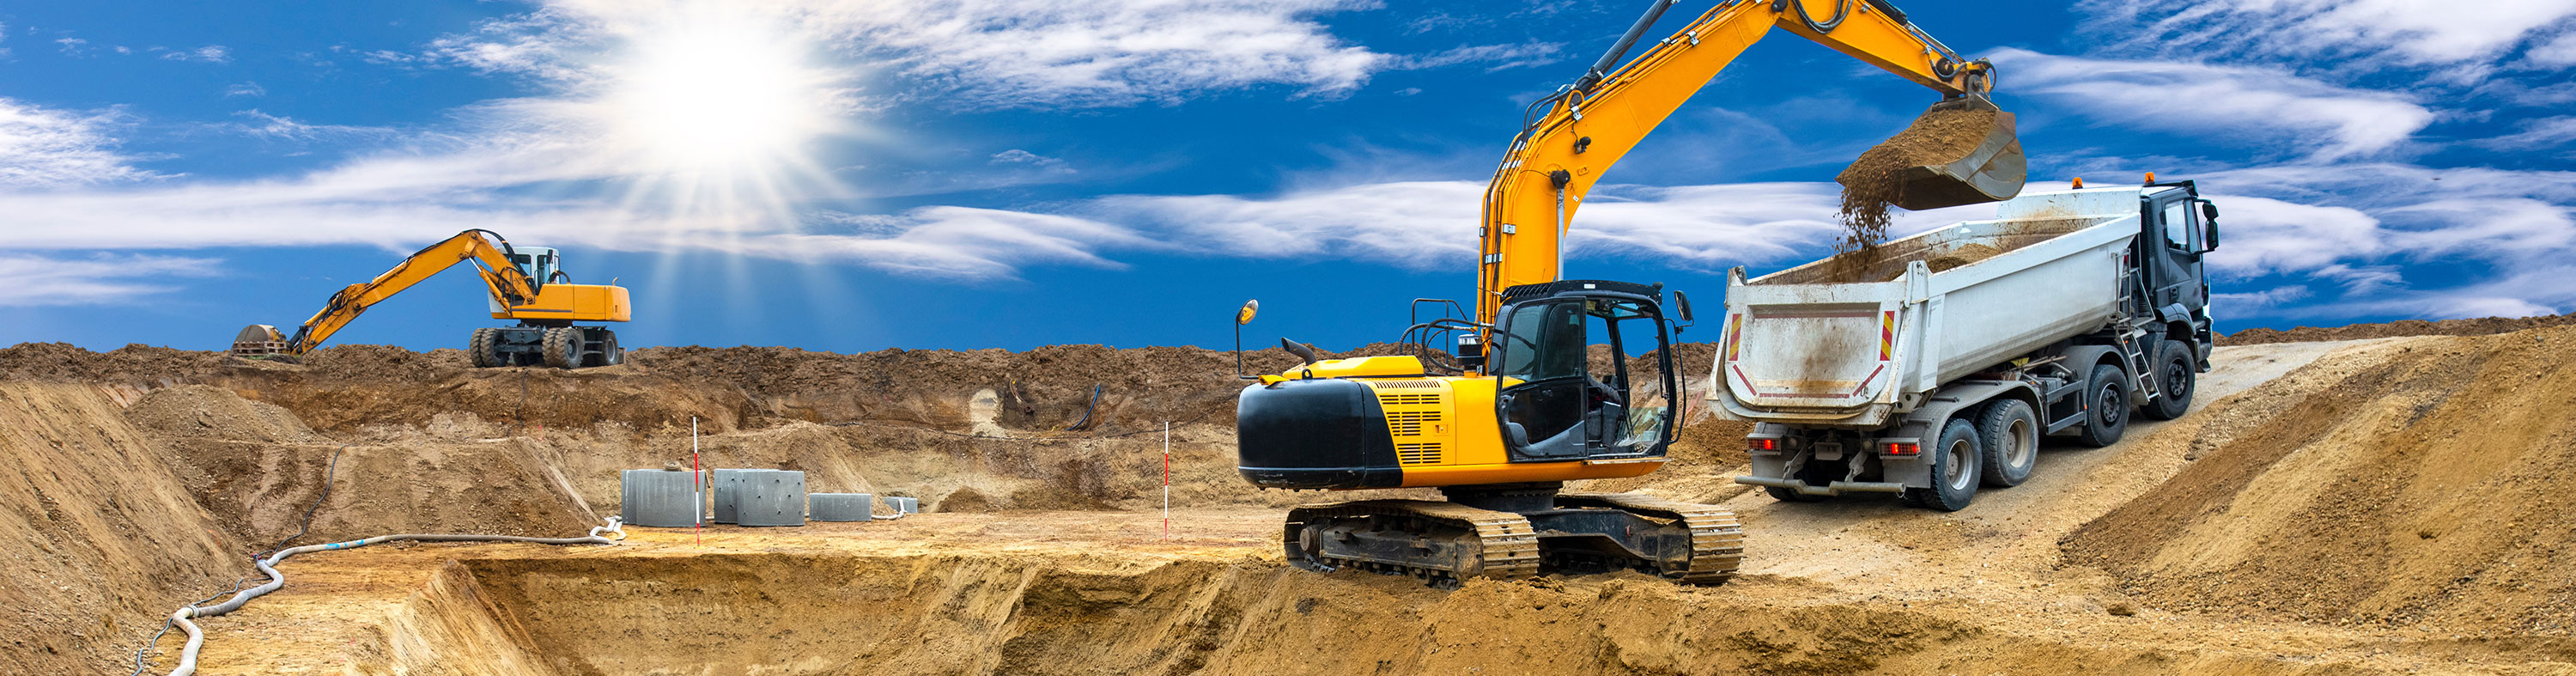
(1539, 390)
(528, 284)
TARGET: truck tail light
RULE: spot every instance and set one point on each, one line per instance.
(1894, 448)
(1762, 444)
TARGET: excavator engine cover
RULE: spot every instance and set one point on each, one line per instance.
(1960, 151)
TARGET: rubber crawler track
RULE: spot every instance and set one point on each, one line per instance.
(1717, 539)
(1510, 546)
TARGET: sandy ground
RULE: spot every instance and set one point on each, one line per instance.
(1985, 590)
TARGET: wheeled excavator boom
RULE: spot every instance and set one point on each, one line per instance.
(1523, 405)
(527, 284)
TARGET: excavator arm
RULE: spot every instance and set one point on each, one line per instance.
(1589, 125)
(509, 285)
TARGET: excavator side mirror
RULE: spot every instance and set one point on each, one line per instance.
(1242, 317)
(1681, 304)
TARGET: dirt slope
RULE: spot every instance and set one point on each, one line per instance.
(2428, 489)
(2408, 327)
(100, 540)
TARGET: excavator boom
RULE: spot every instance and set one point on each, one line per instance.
(1591, 124)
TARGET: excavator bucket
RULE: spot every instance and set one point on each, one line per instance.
(1961, 151)
(258, 340)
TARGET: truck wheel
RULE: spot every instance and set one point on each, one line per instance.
(1954, 469)
(2176, 377)
(562, 346)
(479, 349)
(2106, 407)
(2011, 435)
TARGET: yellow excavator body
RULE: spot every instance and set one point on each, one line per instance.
(574, 303)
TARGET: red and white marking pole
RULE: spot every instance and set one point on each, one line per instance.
(1167, 480)
(697, 487)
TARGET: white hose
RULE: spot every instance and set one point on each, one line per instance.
(268, 566)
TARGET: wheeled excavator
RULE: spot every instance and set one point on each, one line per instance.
(528, 284)
(1539, 390)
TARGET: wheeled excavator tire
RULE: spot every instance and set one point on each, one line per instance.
(479, 349)
(562, 347)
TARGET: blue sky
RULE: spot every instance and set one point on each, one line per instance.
(853, 175)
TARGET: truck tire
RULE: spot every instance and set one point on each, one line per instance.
(2177, 375)
(2010, 432)
(479, 349)
(562, 346)
(2106, 407)
(1954, 469)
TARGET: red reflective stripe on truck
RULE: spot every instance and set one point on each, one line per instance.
(1748, 380)
(1864, 382)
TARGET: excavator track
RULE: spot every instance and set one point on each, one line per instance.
(1450, 542)
(1717, 539)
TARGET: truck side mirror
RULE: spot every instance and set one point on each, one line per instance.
(2208, 210)
(2209, 236)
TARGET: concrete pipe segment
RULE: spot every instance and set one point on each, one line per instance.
(728, 495)
(658, 497)
(843, 506)
(771, 497)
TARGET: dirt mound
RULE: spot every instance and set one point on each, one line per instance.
(2404, 327)
(132, 364)
(2427, 489)
(100, 539)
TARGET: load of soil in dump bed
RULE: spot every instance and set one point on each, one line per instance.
(2404, 327)
(1886, 262)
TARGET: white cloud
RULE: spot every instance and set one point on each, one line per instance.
(2263, 236)
(47, 148)
(2559, 51)
(27, 280)
(2235, 304)
(2402, 32)
(2538, 134)
(269, 126)
(2243, 106)
(251, 89)
(74, 47)
(206, 54)
(1012, 53)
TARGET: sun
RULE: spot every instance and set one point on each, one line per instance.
(724, 97)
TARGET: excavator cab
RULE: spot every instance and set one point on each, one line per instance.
(1555, 400)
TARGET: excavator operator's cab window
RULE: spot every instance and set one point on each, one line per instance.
(1557, 401)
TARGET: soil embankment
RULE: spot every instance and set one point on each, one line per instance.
(2427, 489)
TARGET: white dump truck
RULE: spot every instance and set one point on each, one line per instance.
(1937, 362)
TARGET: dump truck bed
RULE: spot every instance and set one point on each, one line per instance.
(1851, 340)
